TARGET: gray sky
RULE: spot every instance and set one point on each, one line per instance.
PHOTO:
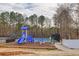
(46, 9)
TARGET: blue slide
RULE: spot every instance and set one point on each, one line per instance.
(28, 38)
(22, 38)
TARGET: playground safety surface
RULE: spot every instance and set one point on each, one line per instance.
(13, 49)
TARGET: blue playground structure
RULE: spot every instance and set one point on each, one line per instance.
(25, 37)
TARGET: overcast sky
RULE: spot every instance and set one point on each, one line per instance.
(46, 9)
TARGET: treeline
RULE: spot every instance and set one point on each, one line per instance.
(66, 22)
(12, 21)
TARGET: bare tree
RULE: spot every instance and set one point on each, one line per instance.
(75, 15)
(63, 20)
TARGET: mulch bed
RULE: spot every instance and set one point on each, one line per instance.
(14, 53)
(32, 45)
(35, 45)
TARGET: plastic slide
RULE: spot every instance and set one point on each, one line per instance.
(21, 40)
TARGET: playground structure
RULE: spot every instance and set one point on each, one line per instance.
(25, 37)
(67, 44)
